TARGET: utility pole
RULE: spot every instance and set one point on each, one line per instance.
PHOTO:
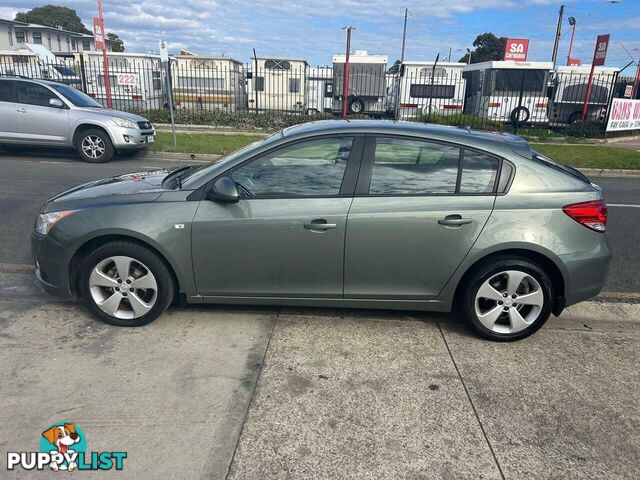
(554, 55)
(345, 78)
(396, 109)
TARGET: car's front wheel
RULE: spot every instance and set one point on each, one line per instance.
(94, 146)
(125, 284)
(507, 299)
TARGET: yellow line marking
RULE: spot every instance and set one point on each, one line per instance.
(619, 295)
(24, 267)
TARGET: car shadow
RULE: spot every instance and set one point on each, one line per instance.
(53, 153)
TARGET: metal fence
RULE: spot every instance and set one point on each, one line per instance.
(441, 93)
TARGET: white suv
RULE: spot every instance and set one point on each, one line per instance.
(43, 113)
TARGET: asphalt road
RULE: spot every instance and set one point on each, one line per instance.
(28, 179)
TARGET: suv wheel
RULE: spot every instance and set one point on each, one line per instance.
(125, 284)
(94, 146)
(508, 299)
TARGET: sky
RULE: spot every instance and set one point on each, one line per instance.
(312, 29)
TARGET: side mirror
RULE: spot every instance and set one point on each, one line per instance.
(56, 103)
(224, 190)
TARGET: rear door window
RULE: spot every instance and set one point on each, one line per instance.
(479, 172)
(6, 91)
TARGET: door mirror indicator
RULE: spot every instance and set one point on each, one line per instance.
(223, 190)
(56, 103)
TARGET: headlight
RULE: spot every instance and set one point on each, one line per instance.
(123, 122)
(45, 221)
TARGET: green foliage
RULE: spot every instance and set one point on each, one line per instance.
(54, 16)
(118, 45)
(270, 121)
(586, 130)
(488, 47)
(464, 121)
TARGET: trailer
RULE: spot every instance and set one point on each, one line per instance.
(320, 90)
(135, 79)
(367, 87)
(277, 84)
(19, 63)
(207, 83)
(427, 88)
(570, 90)
(506, 91)
(36, 61)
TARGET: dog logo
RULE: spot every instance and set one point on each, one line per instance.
(63, 437)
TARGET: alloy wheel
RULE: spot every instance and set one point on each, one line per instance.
(509, 301)
(123, 287)
(93, 146)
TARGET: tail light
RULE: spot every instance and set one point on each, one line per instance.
(592, 215)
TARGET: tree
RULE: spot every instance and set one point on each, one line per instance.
(118, 46)
(487, 47)
(54, 16)
(395, 68)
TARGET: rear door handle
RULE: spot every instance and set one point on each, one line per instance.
(319, 225)
(22, 110)
(454, 221)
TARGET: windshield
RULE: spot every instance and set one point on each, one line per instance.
(65, 70)
(76, 97)
(198, 172)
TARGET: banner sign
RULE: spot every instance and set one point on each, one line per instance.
(98, 34)
(625, 115)
(516, 49)
(600, 53)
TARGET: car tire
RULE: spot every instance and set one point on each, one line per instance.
(356, 106)
(575, 117)
(489, 305)
(88, 139)
(133, 301)
(520, 115)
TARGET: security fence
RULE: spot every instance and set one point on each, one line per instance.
(443, 93)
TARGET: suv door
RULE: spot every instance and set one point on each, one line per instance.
(36, 120)
(285, 237)
(418, 209)
(7, 110)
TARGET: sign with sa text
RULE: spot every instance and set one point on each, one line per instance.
(516, 49)
(98, 34)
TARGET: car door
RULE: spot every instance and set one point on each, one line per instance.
(37, 121)
(285, 237)
(419, 207)
(7, 110)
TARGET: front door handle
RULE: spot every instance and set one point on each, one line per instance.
(454, 221)
(22, 110)
(319, 225)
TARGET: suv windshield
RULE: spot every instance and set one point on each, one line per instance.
(62, 70)
(76, 97)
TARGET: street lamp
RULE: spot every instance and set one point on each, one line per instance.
(572, 22)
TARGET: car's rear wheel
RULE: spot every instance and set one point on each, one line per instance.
(125, 284)
(94, 146)
(507, 299)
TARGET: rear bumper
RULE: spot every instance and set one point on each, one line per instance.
(586, 273)
(52, 265)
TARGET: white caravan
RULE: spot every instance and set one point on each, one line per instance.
(320, 90)
(135, 79)
(36, 61)
(570, 90)
(427, 89)
(367, 87)
(506, 91)
(277, 84)
(207, 83)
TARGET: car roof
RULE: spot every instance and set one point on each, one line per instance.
(464, 136)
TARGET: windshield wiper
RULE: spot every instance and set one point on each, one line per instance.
(177, 175)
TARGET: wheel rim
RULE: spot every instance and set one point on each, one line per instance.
(509, 302)
(123, 287)
(93, 146)
(355, 107)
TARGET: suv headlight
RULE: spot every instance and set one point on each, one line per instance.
(123, 122)
(45, 221)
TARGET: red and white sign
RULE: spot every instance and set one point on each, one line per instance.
(600, 53)
(575, 62)
(98, 34)
(129, 79)
(516, 49)
(625, 115)
(628, 91)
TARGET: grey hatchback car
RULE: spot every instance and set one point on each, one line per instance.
(366, 214)
(44, 113)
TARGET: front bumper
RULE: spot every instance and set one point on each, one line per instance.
(52, 265)
(124, 138)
